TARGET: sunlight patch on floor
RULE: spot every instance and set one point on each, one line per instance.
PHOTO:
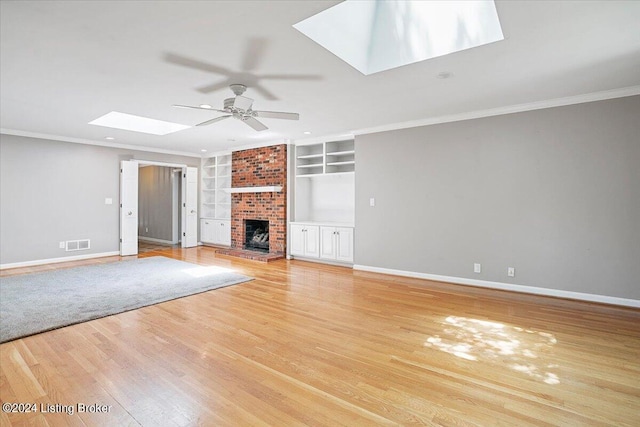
(518, 348)
(207, 271)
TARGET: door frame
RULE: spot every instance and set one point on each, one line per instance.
(182, 198)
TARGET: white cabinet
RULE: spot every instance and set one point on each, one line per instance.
(206, 230)
(304, 240)
(222, 232)
(323, 241)
(216, 231)
(336, 243)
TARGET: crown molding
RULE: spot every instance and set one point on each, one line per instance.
(518, 108)
(98, 143)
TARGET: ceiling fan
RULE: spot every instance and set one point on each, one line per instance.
(239, 108)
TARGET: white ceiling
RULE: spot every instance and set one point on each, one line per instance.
(65, 63)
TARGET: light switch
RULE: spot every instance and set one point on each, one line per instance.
(372, 201)
(108, 201)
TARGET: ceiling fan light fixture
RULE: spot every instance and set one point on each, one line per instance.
(240, 107)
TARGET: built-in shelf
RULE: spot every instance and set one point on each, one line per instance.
(216, 174)
(349, 162)
(267, 189)
(341, 153)
(325, 158)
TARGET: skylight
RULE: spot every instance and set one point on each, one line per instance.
(374, 36)
(124, 121)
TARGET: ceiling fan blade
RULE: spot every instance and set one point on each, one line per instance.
(198, 65)
(277, 115)
(217, 119)
(214, 87)
(253, 53)
(256, 125)
(199, 108)
(243, 103)
(264, 92)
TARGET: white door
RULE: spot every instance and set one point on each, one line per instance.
(225, 233)
(311, 242)
(297, 239)
(344, 245)
(328, 242)
(128, 208)
(206, 230)
(189, 207)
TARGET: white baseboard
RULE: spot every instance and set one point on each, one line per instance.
(153, 240)
(56, 260)
(320, 261)
(505, 286)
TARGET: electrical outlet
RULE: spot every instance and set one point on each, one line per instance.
(62, 245)
(372, 201)
(511, 272)
(477, 268)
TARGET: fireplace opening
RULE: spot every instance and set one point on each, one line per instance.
(256, 235)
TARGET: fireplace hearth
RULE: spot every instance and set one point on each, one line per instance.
(256, 233)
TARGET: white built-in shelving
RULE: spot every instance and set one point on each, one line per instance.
(325, 158)
(321, 221)
(215, 220)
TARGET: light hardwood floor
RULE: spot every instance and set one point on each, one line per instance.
(310, 344)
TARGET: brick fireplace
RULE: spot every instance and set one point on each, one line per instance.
(259, 167)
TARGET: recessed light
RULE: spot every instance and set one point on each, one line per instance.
(203, 150)
(130, 122)
(205, 106)
(110, 138)
(307, 132)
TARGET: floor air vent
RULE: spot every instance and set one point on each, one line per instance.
(78, 245)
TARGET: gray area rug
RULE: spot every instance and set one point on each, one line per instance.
(35, 303)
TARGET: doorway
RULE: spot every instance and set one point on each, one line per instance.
(158, 204)
(159, 224)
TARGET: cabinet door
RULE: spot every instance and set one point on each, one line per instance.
(221, 229)
(311, 241)
(297, 239)
(344, 244)
(328, 242)
(206, 231)
(225, 233)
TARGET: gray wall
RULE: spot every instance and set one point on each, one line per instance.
(155, 202)
(52, 191)
(554, 193)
